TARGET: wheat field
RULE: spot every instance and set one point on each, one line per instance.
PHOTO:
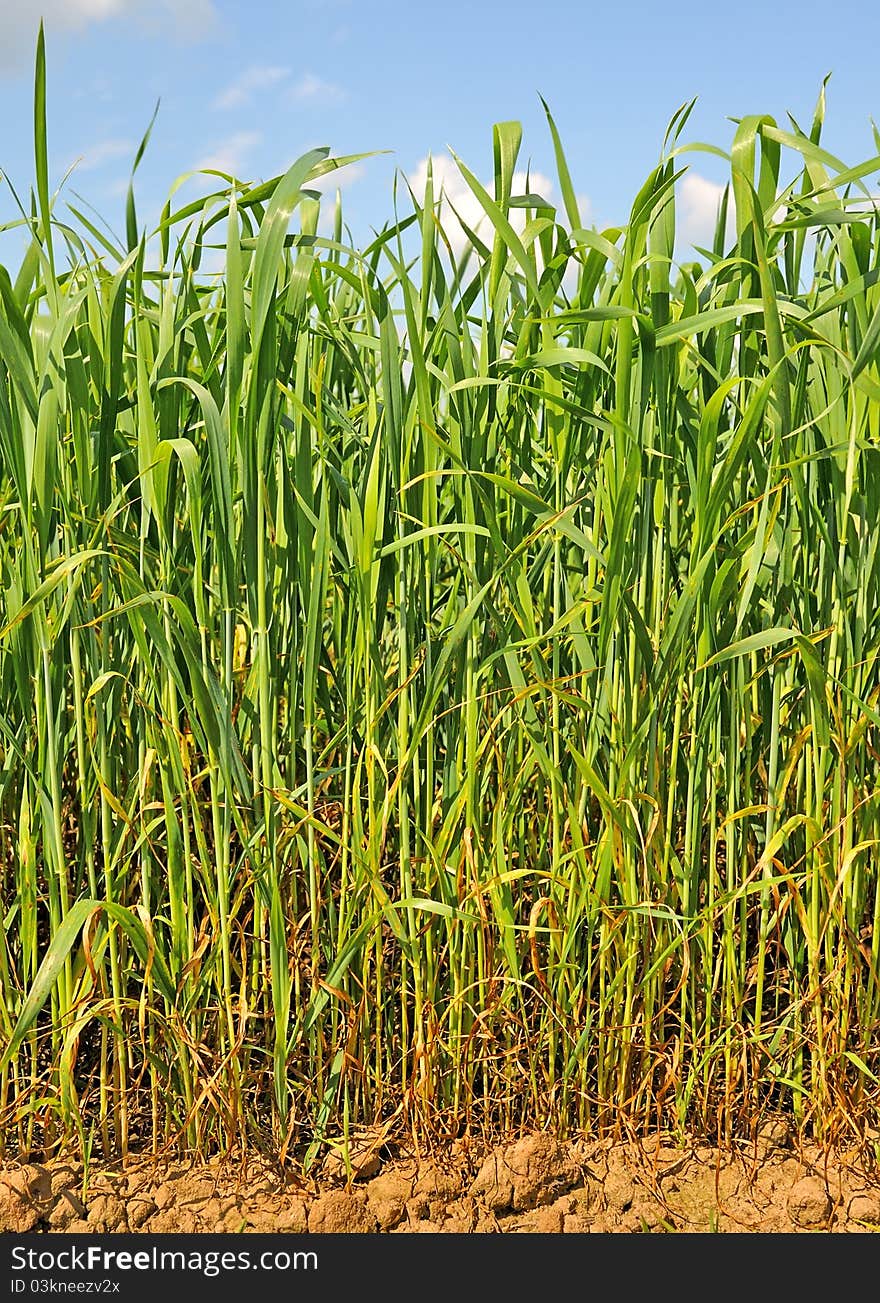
(438, 680)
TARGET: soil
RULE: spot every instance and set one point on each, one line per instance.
(533, 1184)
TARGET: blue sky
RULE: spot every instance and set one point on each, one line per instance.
(249, 86)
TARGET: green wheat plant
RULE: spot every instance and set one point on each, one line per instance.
(439, 683)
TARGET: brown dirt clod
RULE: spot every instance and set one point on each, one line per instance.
(808, 1203)
(341, 1212)
(619, 1190)
(363, 1161)
(864, 1208)
(526, 1174)
(387, 1196)
(25, 1194)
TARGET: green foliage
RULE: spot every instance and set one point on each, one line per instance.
(441, 688)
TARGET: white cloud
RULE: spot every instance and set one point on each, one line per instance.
(258, 77)
(456, 194)
(19, 21)
(339, 179)
(698, 204)
(869, 203)
(231, 154)
(585, 208)
(262, 77)
(104, 152)
(315, 90)
(90, 10)
(192, 18)
(97, 89)
(213, 261)
(234, 154)
(459, 198)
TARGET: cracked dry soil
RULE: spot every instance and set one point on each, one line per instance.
(534, 1184)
